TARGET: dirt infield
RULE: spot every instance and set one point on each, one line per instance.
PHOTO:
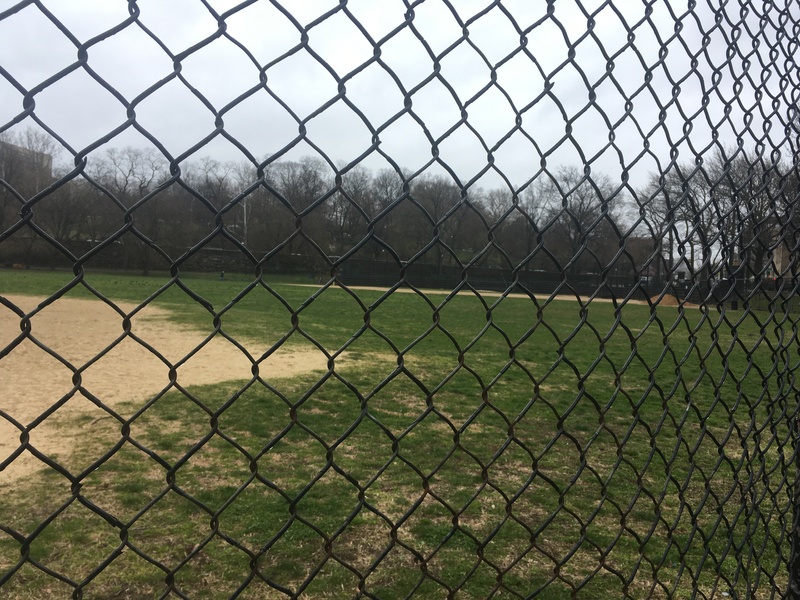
(33, 381)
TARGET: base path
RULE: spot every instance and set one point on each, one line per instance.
(667, 300)
(32, 381)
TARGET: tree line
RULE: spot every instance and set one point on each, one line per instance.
(729, 212)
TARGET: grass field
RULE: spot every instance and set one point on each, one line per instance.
(457, 447)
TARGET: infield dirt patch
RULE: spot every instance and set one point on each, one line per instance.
(113, 367)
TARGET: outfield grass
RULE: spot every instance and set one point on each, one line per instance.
(464, 445)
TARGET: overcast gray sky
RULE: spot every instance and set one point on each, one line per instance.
(80, 110)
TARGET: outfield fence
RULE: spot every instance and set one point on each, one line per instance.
(573, 375)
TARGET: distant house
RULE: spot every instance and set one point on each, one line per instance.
(681, 270)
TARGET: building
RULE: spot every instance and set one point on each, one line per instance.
(26, 170)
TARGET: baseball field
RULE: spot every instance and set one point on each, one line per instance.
(271, 439)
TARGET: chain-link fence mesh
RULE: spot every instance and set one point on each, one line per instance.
(431, 299)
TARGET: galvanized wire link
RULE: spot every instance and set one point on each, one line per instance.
(637, 159)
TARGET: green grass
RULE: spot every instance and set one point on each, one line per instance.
(467, 446)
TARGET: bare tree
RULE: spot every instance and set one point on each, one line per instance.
(521, 234)
(386, 191)
(129, 175)
(725, 209)
(440, 199)
(244, 178)
(495, 206)
(219, 184)
(787, 252)
(297, 186)
(752, 189)
(349, 210)
(666, 203)
(581, 213)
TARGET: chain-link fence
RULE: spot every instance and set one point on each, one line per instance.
(432, 299)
